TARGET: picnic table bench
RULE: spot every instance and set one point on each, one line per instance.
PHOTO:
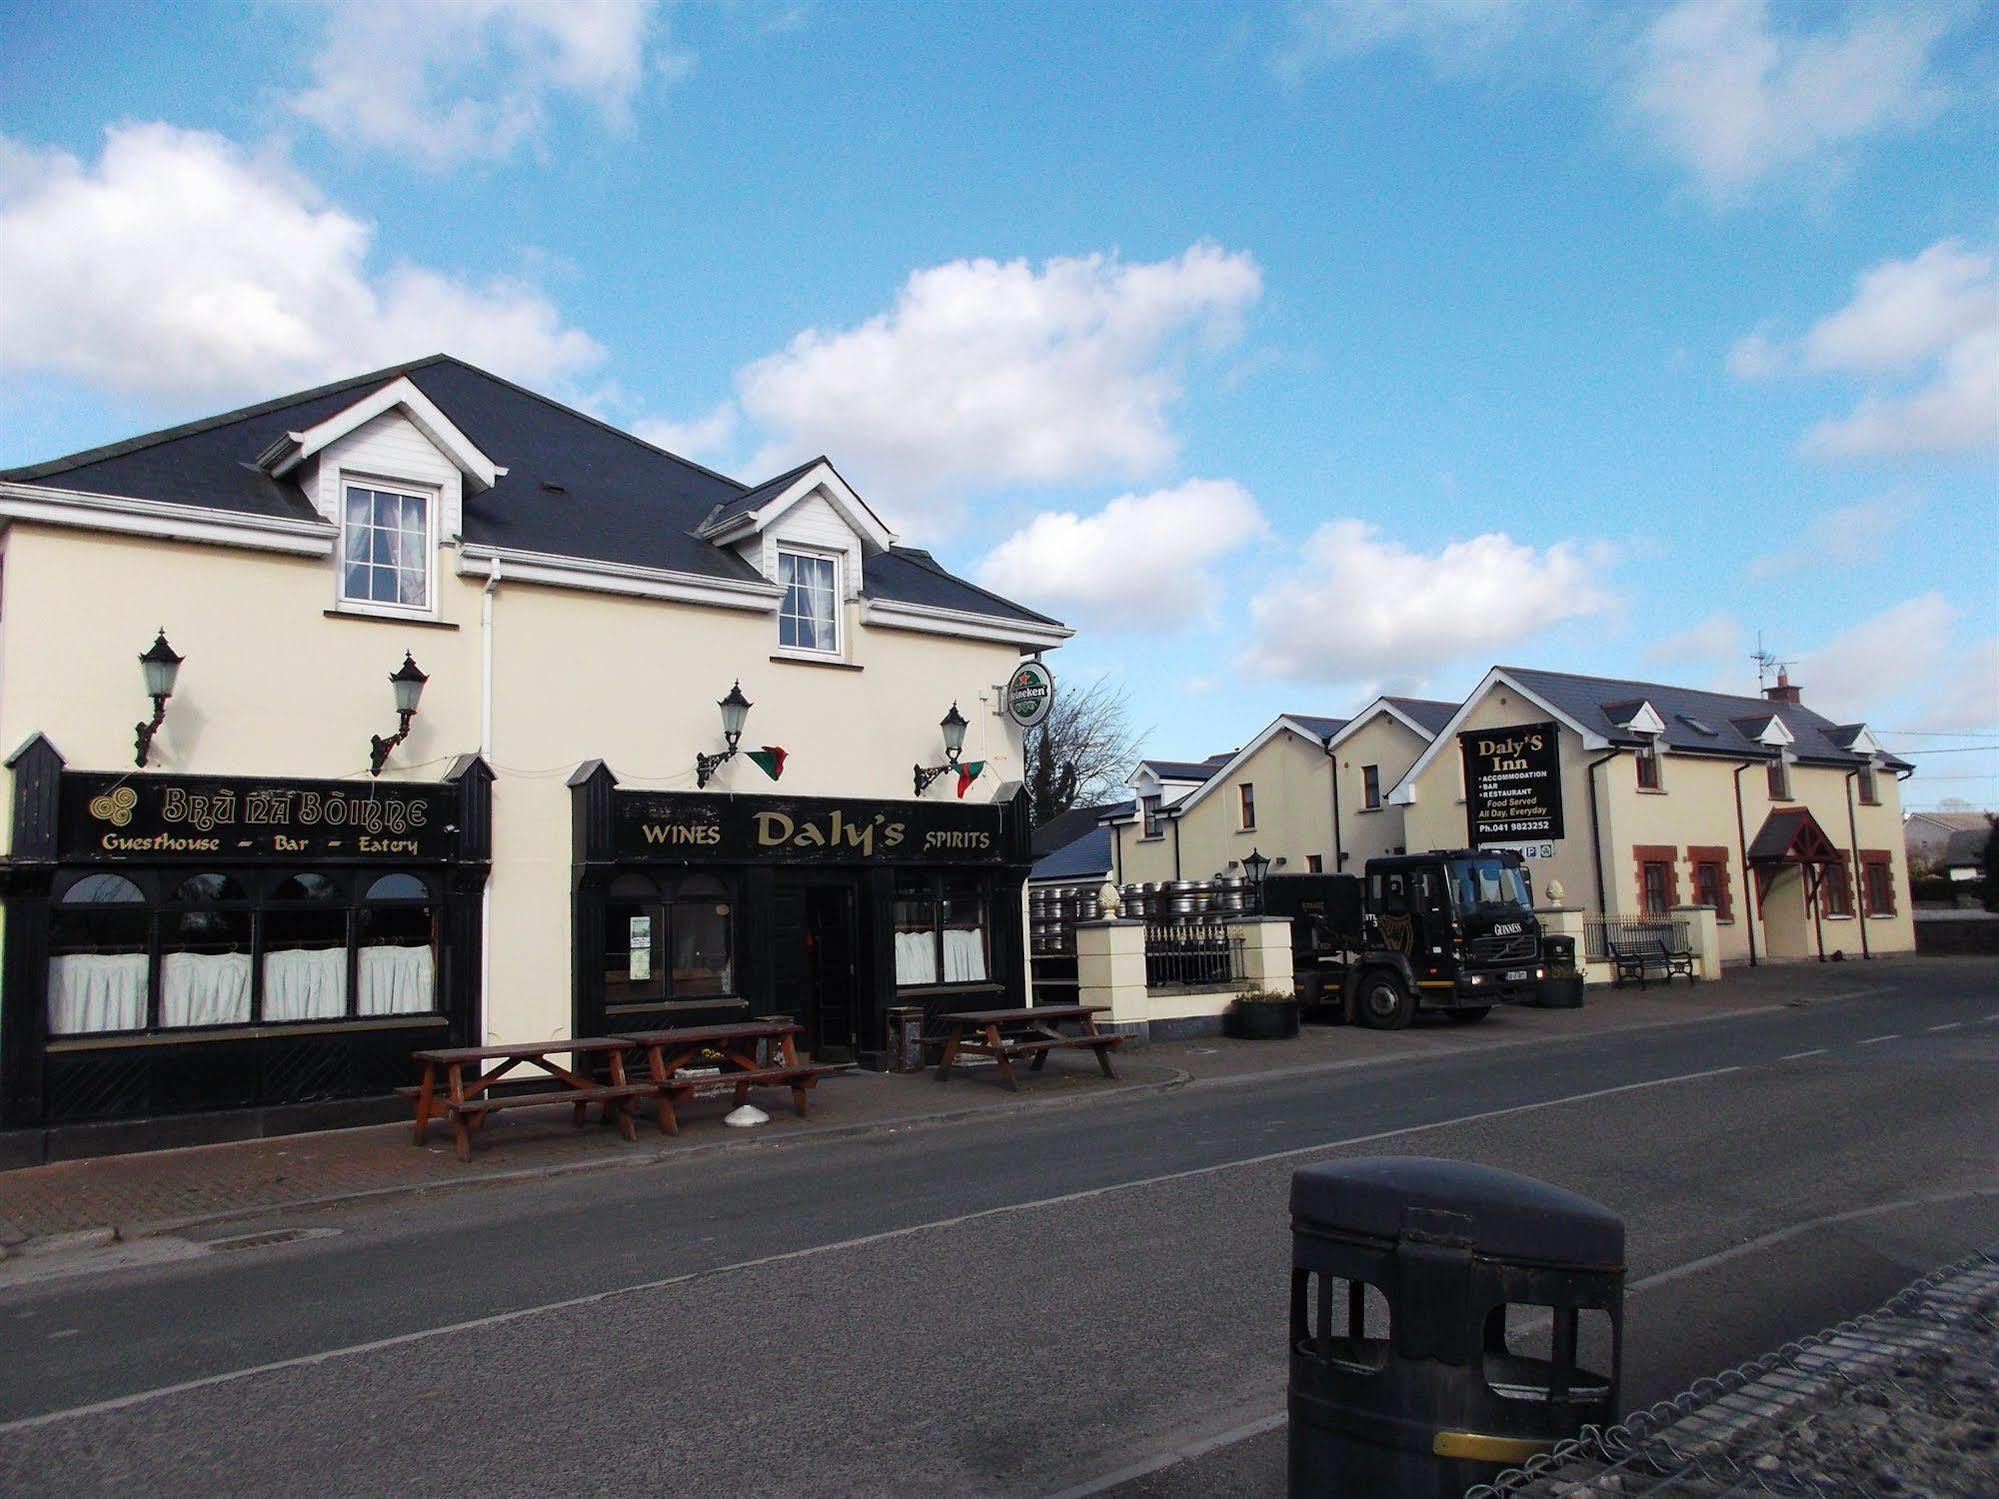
(466, 1100)
(670, 1052)
(1007, 1035)
(1642, 958)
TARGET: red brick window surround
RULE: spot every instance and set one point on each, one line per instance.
(1877, 876)
(1658, 877)
(1711, 884)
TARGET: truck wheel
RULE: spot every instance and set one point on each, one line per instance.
(1471, 1016)
(1384, 1004)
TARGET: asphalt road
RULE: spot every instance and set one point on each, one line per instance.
(1028, 1305)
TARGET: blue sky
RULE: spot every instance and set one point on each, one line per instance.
(1290, 352)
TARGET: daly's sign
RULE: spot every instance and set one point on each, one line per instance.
(1513, 784)
(802, 830)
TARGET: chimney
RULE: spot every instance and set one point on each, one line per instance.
(1783, 692)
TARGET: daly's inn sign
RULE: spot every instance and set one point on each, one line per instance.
(1513, 784)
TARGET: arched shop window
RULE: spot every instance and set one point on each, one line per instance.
(667, 943)
(99, 957)
(305, 949)
(940, 930)
(205, 941)
(396, 964)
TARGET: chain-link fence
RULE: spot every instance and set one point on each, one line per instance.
(1901, 1402)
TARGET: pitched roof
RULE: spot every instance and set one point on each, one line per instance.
(1066, 827)
(574, 487)
(1183, 770)
(1955, 821)
(1699, 722)
(1431, 713)
(1966, 847)
(1325, 728)
(1790, 833)
(1082, 858)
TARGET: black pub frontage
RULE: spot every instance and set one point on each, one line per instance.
(201, 957)
(692, 907)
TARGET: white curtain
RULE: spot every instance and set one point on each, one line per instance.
(915, 958)
(201, 988)
(305, 983)
(395, 981)
(964, 956)
(91, 991)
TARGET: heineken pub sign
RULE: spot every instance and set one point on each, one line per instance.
(1030, 693)
(1513, 783)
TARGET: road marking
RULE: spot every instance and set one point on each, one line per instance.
(1877, 1040)
(862, 1241)
(1799, 1056)
(1953, 1025)
(1667, 1276)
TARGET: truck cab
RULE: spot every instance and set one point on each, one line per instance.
(1464, 920)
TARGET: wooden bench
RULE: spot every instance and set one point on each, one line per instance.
(1007, 1035)
(669, 1053)
(1640, 960)
(466, 1101)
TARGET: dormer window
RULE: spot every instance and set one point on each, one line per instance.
(1870, 792)
(808, 618)
(1648, 766)
(386, 549)
(1780, 779)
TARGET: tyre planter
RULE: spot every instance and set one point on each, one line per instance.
(1266, 1020)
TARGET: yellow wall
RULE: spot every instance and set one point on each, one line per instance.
(271, 686)
(1394, 746)
(1696, 807)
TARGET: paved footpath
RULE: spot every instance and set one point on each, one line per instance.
(1052, 1299)
(86, 1203)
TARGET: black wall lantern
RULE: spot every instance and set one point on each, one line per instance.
(407, 680)
(735, 711)
(158, 668)
(954, 725)
(1256, 866)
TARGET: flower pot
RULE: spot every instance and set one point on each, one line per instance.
(1265, 1020)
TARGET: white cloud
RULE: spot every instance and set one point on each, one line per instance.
(1142, 562)
(1364, 607)
(1733, 99)
(1736, 101)
(988, 372)
(1856, 674)
(1967, 697)
(704, 438)
(1716, 638)
(1924, 334)
(1844, 536)
(137, 275)
(446, 81)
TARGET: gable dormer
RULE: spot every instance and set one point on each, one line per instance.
(395, 435)
(1766, 729)
(1638, 717)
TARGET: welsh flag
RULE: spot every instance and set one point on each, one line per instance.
(968, 773)
(769, 760)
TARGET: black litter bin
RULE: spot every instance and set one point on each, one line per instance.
(1447, 1321)
(1561, 986)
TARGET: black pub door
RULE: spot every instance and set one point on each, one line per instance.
(813, 964)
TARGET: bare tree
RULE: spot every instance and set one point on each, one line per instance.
(1081, 751)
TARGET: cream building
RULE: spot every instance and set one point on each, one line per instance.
(250, 926)
(1308, 793)
(1787, 824)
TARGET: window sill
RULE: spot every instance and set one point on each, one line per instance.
(970, 986)
(1880, 915)
(421, 621)
(182, 1037)
(1250, 829)
(786, 659)
(1152, 838)
(1651, 790)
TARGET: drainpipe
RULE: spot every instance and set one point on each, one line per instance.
(1333, 760)
(1176, 849)
(1595, 835)
(1818, 912)
(1855, 872)
(1752, 904)
(486, 753)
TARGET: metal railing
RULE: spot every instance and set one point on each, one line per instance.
(1191, 955)
(1600, 932)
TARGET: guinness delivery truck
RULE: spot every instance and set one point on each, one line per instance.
(1452, 931)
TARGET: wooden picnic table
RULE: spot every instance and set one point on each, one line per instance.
(1007, 1035)
(467, 1099)
(670, 1052)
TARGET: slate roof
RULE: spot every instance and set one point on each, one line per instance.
(1735, 721)
(1781, 829)
(1066, 827)
(1087, 857)
(1955, 821)
(1183, 770)
(574, 487)
(1431, 713)
(1325, 728)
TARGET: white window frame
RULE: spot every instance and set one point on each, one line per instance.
(838, 562)
(432, 499)
(1245, 806)
(1789, 793)
(1649, 750)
